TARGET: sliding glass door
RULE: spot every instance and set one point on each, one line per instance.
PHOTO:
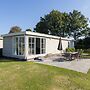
(36, 45)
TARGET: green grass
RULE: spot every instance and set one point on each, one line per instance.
(87, 56)
(32, 76)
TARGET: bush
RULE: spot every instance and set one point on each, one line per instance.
(83, 43)
(87, 51)
(70, 49)
(80, 51)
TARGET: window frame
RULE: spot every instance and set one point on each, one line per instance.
(18, 43)
(42, 49)
(31, 44)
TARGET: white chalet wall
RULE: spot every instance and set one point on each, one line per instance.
(64, 44)
(52, 43)
(7, 46)
(52, 46)
(1, 43)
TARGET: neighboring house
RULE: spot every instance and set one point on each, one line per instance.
(1, 42)
(27, 45)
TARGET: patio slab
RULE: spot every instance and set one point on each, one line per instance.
(82, 65)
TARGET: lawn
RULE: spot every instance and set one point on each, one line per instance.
(32, 76)
(85, 55)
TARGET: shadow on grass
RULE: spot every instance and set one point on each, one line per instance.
(7, 59)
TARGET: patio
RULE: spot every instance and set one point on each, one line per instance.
(80, 65)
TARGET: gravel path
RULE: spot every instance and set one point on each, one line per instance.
(82, 65)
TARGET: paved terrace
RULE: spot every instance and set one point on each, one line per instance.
(80, 65)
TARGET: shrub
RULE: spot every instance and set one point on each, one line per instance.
(83, 43)
(80, 51)
(87, 51)
(70, 49)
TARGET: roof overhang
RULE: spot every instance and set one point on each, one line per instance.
(29, 33)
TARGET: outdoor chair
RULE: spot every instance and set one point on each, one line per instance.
(75, 56)
(67, 56)
(71, 55)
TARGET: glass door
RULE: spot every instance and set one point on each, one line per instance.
(32, 45)
(36, 45)
(19, 46)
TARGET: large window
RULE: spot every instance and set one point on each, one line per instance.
(43, 44)
(36, 45)
(19, 45)
(31, 45)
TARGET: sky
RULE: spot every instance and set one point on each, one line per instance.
(26, 13)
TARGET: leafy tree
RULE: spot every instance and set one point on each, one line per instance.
(52, 23)
(79, 44)
(66, 21)
(15, 29)
(41, 26)
(28, 29)
(86, 32)
(87, 43)
(83, 43)
(77, 24)
(64, 24)
(89, 33)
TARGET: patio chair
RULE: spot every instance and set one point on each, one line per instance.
(67, 56)
(75, 56)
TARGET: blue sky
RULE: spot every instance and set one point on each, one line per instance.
(26, 13)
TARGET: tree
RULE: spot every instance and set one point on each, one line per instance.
(41, 26)
(15, 29)
(86, 32)
(28, 29)
(83, 43)
(64, 24)
(78, 24)
(66, 21)
(87, 43)
(52, 23)
(79, 44)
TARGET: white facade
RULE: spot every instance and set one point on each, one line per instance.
(71, 43)
(26, 45)
(1, 42)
